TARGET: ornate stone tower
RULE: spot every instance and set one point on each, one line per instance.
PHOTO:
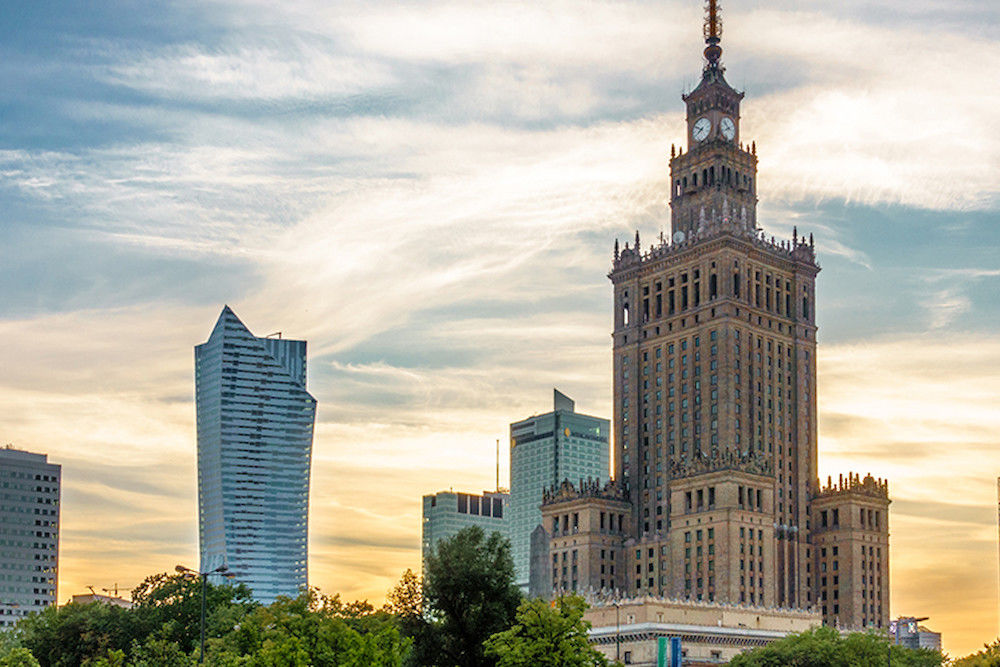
(715, 376)
(715, 420)
(715, 180)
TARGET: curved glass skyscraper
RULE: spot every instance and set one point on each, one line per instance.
(255, 431)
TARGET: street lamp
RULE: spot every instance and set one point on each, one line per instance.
(222, 570)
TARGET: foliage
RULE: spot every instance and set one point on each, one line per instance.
(547, 635)
(18, 657)
(168, 606)
(405, 600)
(309, 630)
(468, 595)
(163, 628)
(824, 647)
(405, 603)
(988, 657)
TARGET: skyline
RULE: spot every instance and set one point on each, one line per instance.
(460, 174)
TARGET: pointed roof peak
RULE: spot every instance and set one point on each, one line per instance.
(561, 401)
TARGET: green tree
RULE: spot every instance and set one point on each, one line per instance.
(310, 630)
(168, 606)
(405, 603)
(988, 657)
(825, 647)
(469, 594)
(159, 653)
(18, 657)
(74, 633)
(547, 635)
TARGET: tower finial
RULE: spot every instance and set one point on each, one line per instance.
(713, 33)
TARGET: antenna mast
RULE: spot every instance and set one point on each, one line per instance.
(713, 33)
(498, 465)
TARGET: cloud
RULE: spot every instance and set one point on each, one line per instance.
(429, 195)
(262, 73)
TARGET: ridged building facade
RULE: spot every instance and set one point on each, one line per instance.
(255, 431)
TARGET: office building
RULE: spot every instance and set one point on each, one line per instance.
(715, 400)
(29, 533)
(255, 431)
(546, 450)
(447, 512)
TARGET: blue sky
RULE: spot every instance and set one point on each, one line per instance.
(429, 193)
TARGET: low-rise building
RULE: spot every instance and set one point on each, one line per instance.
(710, 633)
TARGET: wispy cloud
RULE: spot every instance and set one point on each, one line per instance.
(429, 195)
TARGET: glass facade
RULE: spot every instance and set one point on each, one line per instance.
(544, 451)
(255, 432)
(446, 513)
(29, 533)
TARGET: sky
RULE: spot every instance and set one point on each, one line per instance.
(429, 193)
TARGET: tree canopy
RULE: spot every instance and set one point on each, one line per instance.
(988, 657)
(547, 635)
(469, 595)
(163, 628)
(825, 647)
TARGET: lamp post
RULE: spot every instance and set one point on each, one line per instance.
(224, 571)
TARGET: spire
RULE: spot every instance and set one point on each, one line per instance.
(713, 34)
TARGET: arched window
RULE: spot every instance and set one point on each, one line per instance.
(625, 314)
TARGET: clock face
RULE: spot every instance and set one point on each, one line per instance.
(728, 128)
(701, 129)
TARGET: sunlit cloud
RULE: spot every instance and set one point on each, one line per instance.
(429, 195)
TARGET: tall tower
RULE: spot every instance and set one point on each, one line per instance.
(715, 414)
(255, 431)
(715, 374)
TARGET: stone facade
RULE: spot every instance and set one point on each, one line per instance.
(587, 526)
(715, 405)
(851, 551)
(710, 633)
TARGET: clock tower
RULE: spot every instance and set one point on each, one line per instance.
(714, 181)
(715, 496)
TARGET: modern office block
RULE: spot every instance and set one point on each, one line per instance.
(255, 431)
(546, 450)
(447, 512)
(29, 533)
